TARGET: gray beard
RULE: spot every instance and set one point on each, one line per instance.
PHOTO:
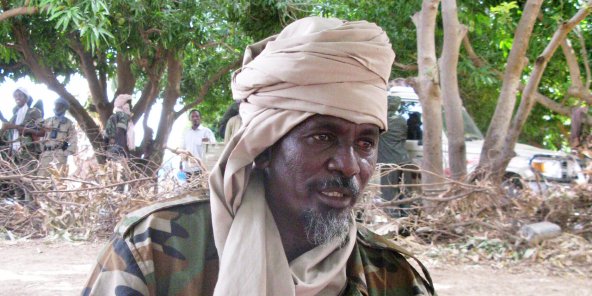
(323, 228)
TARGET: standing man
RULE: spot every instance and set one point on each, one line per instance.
(278, 220)
(21, 133)
(60, 140)
(193, 141)
(391, 150)
(23, 129)
(119, 130)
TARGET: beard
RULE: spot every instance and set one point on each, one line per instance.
(327, 227)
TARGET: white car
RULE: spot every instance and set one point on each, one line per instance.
(531, 164)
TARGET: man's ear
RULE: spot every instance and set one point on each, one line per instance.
(262, 160)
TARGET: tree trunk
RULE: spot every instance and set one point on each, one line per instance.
(528, 101)
(126, 81)
(427, 87)
(453, 35)
(171, 94)
(502, 116)
(89, 70)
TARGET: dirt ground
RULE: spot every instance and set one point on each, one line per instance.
(45, 267)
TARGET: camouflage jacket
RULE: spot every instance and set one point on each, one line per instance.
(168, 249)
(33, 119)
(60, 134)
(116, 128)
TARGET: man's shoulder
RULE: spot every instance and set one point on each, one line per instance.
(376, 241)
(198, 201)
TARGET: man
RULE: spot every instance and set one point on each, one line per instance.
(119, 130)
(193, 142)
(21, 133)
(282, 192)
(391, 150)
(120, 138)
(60, 140)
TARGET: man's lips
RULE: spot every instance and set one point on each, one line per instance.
(336, 198)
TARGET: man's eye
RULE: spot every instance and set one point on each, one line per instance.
(322, 137)
(366, 145)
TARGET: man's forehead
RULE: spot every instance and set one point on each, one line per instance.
(333, 122)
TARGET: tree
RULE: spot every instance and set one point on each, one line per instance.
(187, 48)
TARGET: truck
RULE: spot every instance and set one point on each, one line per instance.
(531, 166)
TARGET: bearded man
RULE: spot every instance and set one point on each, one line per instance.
(278, 217)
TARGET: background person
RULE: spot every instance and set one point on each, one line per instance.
(21, 134)
(59, 142)
(193, 142)
(119, 130)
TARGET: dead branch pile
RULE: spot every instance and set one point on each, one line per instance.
(479, 223)
(81, 209)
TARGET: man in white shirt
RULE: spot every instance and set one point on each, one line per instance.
(193, 140)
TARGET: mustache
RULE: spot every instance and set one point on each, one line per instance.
(349, 184)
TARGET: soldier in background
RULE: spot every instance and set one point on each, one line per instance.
(21, 134)
(60, 140)
(391, 150)
(120, 138)
(119, 130)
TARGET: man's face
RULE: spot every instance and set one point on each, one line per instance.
(195, 119)
(59, 109)
(319, 169)
(20, 98)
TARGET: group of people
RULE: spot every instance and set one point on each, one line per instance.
(33, 144)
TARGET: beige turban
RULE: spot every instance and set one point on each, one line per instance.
(314, 66)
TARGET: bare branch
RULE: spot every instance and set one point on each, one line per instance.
(18, 11)
(528, 101)
(207, 85)
(584, 54)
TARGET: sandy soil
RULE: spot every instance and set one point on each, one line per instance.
(60, 268)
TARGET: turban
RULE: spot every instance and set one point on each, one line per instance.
(24, 91)
(121, 100)
(62, 101)
(314, 66)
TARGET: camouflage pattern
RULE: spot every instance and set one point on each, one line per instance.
(55, 150)
(116, 134)
(168, 249)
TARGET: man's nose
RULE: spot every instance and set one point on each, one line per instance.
(345, 161)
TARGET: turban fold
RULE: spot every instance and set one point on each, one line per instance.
(314, 66)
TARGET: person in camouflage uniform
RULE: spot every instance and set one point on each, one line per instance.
(21, 134)
(278, 216)
(119, 130)
(60, 140)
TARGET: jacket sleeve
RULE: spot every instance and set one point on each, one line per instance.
(117, 272)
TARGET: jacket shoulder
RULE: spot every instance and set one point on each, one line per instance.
(195, 198)
(376, 241)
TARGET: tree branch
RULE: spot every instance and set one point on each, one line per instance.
(87, 64)
(205, 88)
(18, 11)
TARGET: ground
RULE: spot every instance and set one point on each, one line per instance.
(43, 267)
